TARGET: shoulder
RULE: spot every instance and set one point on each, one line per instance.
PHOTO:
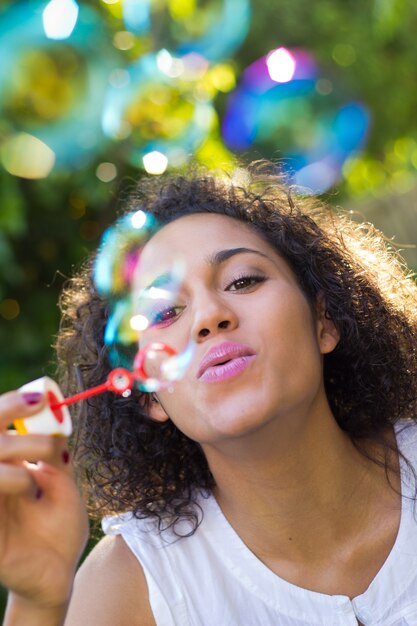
(406, 433)
(110, 588)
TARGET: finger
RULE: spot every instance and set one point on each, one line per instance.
(16, 480)
(17, 404)
(51, 476)
(60, 456)
(31, 448)
(48, 449)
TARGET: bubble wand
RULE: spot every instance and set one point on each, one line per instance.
(55, 419)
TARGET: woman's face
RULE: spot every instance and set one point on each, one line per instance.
(259, 345)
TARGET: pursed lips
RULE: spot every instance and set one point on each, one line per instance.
(222, 354)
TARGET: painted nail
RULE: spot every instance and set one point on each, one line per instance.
(32, 397)
(65, 457)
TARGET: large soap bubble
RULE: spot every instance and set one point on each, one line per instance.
(55, 62)
(228, 25)
(138, 307)
(214, 29)
(284, 109)
(137, 15)
(152, 109)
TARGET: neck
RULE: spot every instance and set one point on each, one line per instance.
(295, 490)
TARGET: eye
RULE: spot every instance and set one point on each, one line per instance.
(165, 316)
(245, 283)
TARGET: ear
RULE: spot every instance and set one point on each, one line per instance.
(328, 335)
(156, 410)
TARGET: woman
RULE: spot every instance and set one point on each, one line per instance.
(274, 484)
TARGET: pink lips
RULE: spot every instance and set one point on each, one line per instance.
(224, 361)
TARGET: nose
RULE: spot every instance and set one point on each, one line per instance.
(211, 316)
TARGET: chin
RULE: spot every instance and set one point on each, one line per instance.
(237, 426)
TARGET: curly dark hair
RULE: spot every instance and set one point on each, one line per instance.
(128, 461)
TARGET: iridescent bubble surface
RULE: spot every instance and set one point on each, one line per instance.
(55, 61)
(137, 15)
(227, 22)
(139, 304)
(156, 112)
(284, 108)
(213, 30)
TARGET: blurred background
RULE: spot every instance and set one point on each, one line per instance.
(93, 94)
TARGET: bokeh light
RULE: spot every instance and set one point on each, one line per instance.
(281, 65)
(124, 40)
(59, 18)
(26, 156)
(106, 172)
(9, 309)
(285, 109)
(155, 162)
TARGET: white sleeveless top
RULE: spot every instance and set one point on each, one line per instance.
(212, 579)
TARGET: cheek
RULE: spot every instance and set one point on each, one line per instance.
(191, 410)
(291, 340)
(289, 318)
(177, 402)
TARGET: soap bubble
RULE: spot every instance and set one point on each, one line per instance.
(136, 307)
(119, 252)
(152, 112)
(228, 25)
(137, 15)
(286, 110)
(214, 29)
(52, 80)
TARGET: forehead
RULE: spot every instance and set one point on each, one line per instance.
(195, 237)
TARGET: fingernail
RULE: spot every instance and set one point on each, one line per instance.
(65, 457)
(39, 493)
(32, 397)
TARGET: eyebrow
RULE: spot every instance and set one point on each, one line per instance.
(162, 280)
(224, 255)
(214, 260)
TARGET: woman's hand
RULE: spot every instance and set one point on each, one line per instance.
(43, 523)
